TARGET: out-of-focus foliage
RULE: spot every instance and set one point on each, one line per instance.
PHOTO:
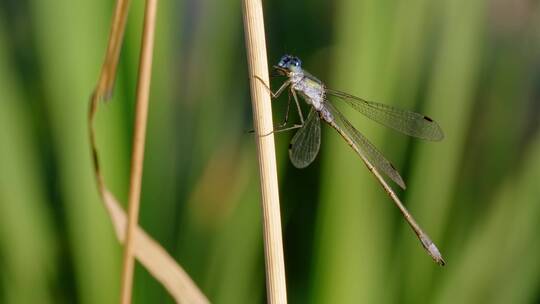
(471, 65)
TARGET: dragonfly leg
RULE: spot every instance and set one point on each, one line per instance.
(287, 112)
(283, 124)
(282, 130)
(298, 106)
(279, 91)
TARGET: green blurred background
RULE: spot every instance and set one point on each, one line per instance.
(474, 66)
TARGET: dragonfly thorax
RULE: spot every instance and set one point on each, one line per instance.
(296, 76)
(311, 90)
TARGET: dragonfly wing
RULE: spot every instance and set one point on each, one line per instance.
(407, 122)
(361, 145)
(306, 142)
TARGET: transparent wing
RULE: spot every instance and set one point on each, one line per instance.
(361, 144)
(407, 122)
(306, 142)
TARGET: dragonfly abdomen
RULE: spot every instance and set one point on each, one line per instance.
(326, 115)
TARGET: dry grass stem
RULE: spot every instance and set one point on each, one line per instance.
(139, 135)
(149, 253)
(107, 78)
(262, 118)
(116, 37)
(154, 258)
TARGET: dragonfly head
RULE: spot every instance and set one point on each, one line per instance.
(288, 64)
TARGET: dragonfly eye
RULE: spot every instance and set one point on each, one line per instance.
(288, 61)
(285, 61)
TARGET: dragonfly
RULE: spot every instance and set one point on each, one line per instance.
(305, 144)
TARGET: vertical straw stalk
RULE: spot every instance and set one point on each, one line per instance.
(262, 119)
(141, 114)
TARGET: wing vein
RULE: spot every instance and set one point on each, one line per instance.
(407, 122)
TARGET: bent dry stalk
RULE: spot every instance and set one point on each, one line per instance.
(306, 142)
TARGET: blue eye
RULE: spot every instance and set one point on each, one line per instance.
(287, 61)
